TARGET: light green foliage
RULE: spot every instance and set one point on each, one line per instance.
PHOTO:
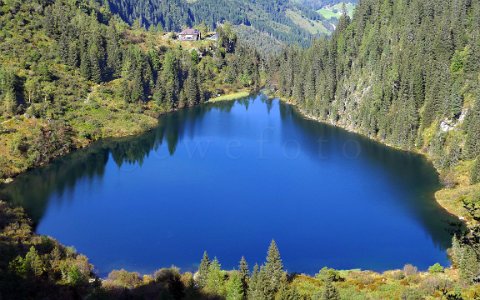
(234, 286)
(255, 286)
(31, 264)
(215, 284)
(436, 268)
(327, 274)
(72, 275)
(459, 60)
(203, 270)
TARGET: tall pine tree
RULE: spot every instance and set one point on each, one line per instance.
(203, 270)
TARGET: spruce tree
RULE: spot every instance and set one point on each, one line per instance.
(234, 287)
(244, 273)
(456, 251)
(192, 94)
(254, 289)
(203, 270)
(85, 65)
(273, 269)
(215, 284)
(73, 54)
(33, 262)
(469, 267)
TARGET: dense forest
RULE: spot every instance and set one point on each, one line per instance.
(405, 73)
(265, 16)
(72, 72)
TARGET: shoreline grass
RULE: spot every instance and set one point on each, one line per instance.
(230, 97)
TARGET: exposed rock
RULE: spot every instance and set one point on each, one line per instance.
(446, 126)
(449, 124)
(463, 114)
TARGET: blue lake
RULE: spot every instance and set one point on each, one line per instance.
(229, 177)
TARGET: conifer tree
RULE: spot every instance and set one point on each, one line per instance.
(192, 93)
(273, 269)
(244, 273)
(85, 65)
(472, 123)
(234, 287)
(215, 284)
(73, 54)
(255, 291)
(33, 263)
(203, 270)
(456, 251)
(8, 97)
(468, 266)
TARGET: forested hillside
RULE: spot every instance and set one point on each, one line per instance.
(405, 73)
(71, 72)
(284, 20)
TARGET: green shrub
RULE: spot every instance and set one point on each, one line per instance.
(436, 268)
(327, 274)
(125, 279)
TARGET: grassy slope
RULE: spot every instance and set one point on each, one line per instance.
(313, 27)
(229, 97)
(335, 11)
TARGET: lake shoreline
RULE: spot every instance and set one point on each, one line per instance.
(136, 151)
(451, 208)
(150, 124)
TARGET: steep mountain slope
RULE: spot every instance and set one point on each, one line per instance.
(285, 20)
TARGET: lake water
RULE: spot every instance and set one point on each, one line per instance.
(229, 177)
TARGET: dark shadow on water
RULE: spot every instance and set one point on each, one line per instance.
(413, 172)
